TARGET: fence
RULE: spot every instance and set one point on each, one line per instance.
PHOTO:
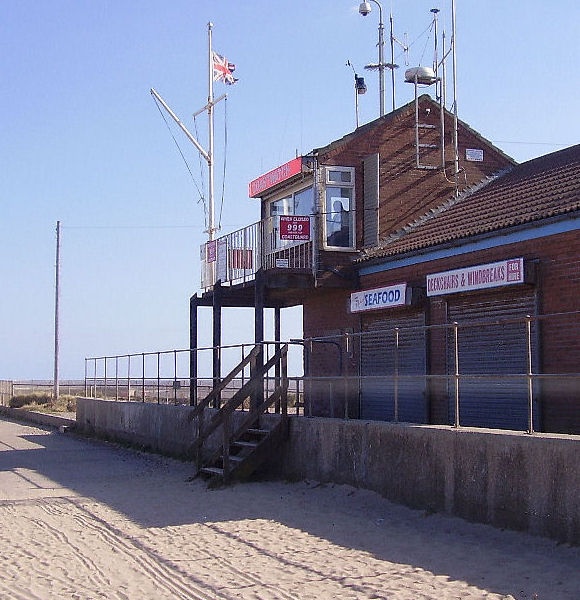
(512, 373)
(6, 392)
(495, 373)
(67, 387)
(164, 377)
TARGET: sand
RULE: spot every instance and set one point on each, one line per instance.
(81, 519)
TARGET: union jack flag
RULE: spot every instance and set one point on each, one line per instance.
(223, 70)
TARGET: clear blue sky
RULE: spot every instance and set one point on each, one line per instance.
(81, 140)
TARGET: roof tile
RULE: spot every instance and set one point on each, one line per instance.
(538, 189)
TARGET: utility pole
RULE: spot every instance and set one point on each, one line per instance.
(56, 390)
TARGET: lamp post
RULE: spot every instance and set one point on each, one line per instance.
(364, 9)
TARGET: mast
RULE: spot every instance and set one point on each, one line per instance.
(455, 118)
(208, 155)
(392, 66)
(211, 229)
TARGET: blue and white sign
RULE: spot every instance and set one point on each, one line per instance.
(384, 297)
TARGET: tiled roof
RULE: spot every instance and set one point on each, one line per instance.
(538, 189)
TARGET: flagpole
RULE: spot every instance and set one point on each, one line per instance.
(224, 72)
(211, 223)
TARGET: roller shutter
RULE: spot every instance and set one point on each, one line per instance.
(493, 345)
(381, 359)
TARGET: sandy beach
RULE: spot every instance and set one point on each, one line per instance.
(82, 519)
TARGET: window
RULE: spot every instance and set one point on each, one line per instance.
(339, 231)
(304, 202)
(283, 206)
(299, 202)
(339, 175)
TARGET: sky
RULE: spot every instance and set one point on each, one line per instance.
(82, 141)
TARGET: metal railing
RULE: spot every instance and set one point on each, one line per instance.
(45, 387)
(501, 385)
(164, 377)
(237, 256)
(468, 392)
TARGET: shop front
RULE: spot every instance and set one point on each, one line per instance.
(491, 342)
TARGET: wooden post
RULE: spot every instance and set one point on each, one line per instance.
(193, 350)
(217, 338)
(277, 339)
(227, 428)
(258, 396)
(284, 383)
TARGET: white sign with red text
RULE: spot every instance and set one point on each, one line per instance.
(505, 272)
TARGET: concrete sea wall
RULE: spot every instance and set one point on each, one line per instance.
(507, 479)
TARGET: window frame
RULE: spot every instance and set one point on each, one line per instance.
(331, 183)
(273, 221)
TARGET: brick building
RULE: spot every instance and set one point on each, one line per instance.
(435, 269)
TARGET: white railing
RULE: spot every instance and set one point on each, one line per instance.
(237, 256)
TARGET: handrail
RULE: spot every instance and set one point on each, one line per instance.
(223, 415)
(244, 392)
(216, 391)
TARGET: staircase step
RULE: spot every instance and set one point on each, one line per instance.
(258, 431)
(245, 444)
(212, 471)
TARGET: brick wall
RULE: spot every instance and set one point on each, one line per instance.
(405, 191)
(557, 287)
(326, 314)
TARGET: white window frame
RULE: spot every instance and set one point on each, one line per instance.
(328, 182)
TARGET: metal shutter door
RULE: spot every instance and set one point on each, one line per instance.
(379, 363)
(492, 342)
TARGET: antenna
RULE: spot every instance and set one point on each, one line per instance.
(455, 120)
(360, 87)
(392, 64)
(435, 11)
(428, 76)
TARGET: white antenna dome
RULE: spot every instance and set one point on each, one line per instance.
(420, 75)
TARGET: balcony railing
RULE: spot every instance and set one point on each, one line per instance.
(268, 244)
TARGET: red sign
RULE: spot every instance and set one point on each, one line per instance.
(275, 177)
(240, 258)
(211, 251)
(295, 228)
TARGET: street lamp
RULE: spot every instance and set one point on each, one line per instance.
(364, 9)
